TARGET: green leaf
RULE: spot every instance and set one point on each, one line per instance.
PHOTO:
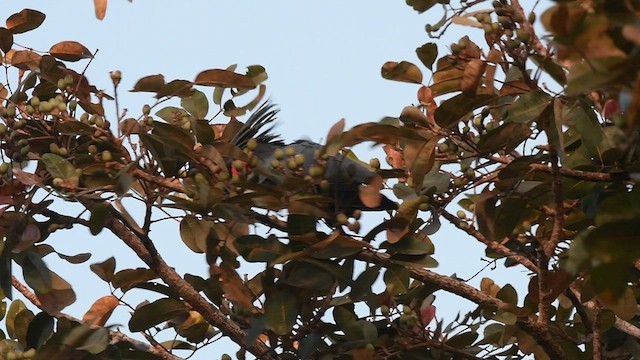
(281, 310)
(462, 340)
(254, 248)
(421, 5)
(309, 277)
(508, 294)
(155, 313)
(397, 279)
(127, 278)
(451, 111)
(528, 107)
(105, 269)
(623, 306)
(507, 136)
(171, 113)
(59, 167)
(36, 273)
(194, 233)
(427, 53)
(197, 104)
(100, 215)
(410, 244)
(362, 285)
(299, 224)
(87, 338)
(16, 307)
(403, 71)
(40, 329)
(596, 73)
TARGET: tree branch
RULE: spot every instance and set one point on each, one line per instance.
(142, 245)
(116, 337)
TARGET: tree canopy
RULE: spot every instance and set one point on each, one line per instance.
(526, 142)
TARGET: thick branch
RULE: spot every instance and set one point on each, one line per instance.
(115, 336)
(143, 247)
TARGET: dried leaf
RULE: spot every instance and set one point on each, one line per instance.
(224, 79)
(402, 71)
(70, 51)
(25, 20)
(472, 75)
(101, 310)
(100, 8)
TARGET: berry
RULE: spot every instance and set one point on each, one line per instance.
(146, 109)
(252, 144)
(341, 218)
(374, 163)
(4, 168)
(279, 154)
(106, 156)
(461, 214)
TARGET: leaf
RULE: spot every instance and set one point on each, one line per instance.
(194, 233)
(623, 306)
(25, 20)
(100, 216)
(224, 79)
(84, 337)
(281, 311)
(254, 248)
(16, 307)
(155, 313)
(507, 136)
(197, 104)
(59, 167)
(23, 59)
(396, 278)
(100, 7)
(427, 53)
(100, 310)
(420, 157)
(466, 20)
(151, 83)
(127, 278)
(70, 51)
(105, 269)
(508, 294)
(586, 76)
(39, 330)
(421, 5)
(58, 297)
(472, 75)
(36, 273)
(528, 107)
(309, 277)
(6, 39)
(451, 111)
(403, 71)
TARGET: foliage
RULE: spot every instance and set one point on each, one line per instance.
(537, 143)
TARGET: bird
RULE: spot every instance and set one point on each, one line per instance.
(352, 186)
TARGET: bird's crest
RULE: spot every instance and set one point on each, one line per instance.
(254, 127)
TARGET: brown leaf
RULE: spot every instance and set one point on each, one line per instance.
(100, 8)
(472, 75)
(411, 114)
(70, 51)
(235, 290)
(471, 51)
(25, 20)
(27, 178)
(101, 310)
(23, 59)
(402, 71)
(493, 58)
(224, 79)
(60, 296)
(30, 235)
(336, 130)
(466, 21)
(6, 39)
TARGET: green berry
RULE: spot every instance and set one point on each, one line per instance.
(292, 165)
(54, 148)
(107, 156)
(35, 101)
(523, 35)
(342, 219)
(279, 154)
(92, 149)
(290, 151)
(299, 159)
(73, 104)
(57, 182)
(443, 147)
(275, 163)
(4, 168)
(61, 84)
(461, 214)
(375, 163)
(68, 79)
(3, 129)
(252, 144)
(146, 109)
(239, 165)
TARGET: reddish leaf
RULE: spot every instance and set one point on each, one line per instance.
(70, 51)
(224, 79)
(151, 83)
(60, 296)
(25, 20)
(370, 194)
(23, 59)
(101, 310)
(100, 8)
(472, 75)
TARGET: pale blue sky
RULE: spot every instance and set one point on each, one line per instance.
(323, 59)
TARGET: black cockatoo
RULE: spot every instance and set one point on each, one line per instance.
(352, 185)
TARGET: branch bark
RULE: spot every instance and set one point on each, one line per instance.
(142, 245)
